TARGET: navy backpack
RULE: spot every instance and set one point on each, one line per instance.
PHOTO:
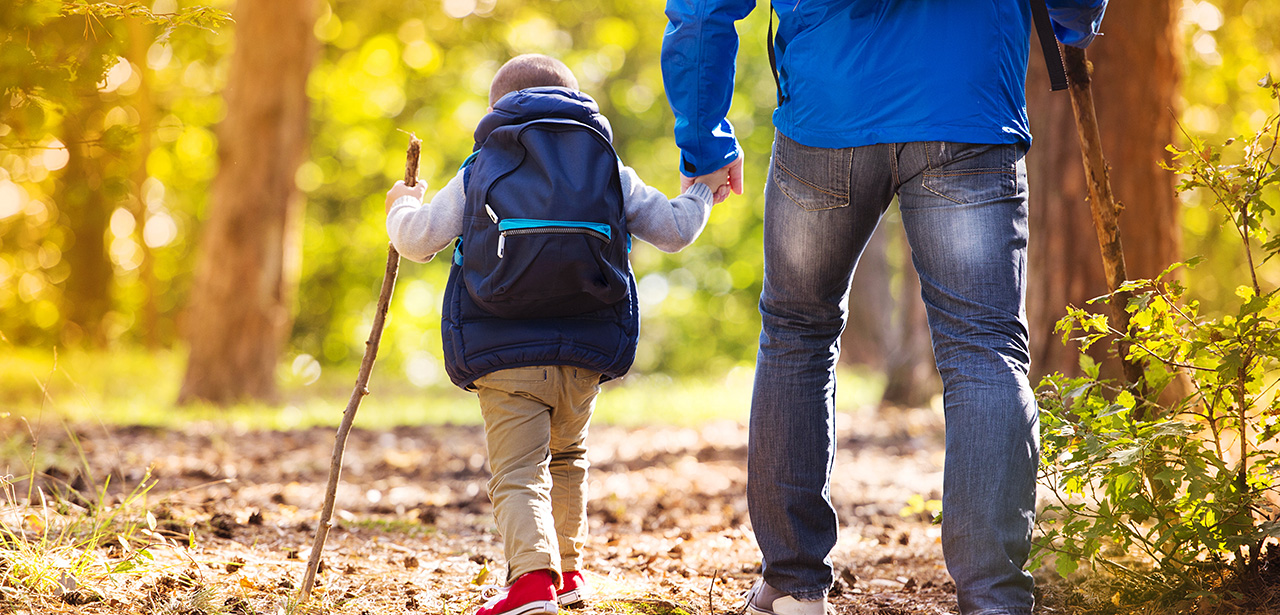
(544, 232)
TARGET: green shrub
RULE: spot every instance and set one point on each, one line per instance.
(1170, 490)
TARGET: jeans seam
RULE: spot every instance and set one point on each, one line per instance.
(984, 171)
(893, 166)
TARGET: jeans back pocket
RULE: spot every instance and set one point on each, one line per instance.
(966, 173)
(814, 178)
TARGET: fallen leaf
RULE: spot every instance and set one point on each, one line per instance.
(481, 576)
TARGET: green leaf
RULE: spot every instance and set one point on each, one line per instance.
(1088, 366)
(1066, 565)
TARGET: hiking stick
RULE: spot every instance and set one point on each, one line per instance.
(1102, 203)
(361, 388)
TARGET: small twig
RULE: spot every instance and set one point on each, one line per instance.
(711, 607)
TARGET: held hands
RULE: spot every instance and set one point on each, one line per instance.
(400, 189)
(721, 182)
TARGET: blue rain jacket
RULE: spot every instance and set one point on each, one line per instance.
(860, 72)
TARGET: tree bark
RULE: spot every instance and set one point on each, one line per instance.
(864, 340)
(911, 376)
(240, 312)
(1135, 84)
(141, 36)
(888, 329)
(86, 204)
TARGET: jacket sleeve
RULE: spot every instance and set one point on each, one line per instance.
(699, 52)
(669, 224)
(1076, 22)
(420, 230)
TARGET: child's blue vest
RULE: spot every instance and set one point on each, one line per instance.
(477, 341)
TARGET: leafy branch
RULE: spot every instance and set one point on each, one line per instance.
(201, 17)
(1184, 492)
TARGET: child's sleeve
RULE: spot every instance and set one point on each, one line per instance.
(420, 230)
(669, 224)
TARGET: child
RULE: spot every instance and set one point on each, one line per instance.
(537, 377)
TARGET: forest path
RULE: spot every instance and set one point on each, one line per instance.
(669, 528)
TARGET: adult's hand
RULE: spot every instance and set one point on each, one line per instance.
(722, 181)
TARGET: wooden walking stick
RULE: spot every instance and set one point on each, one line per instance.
(361, 388)
(1102, 203)
(1070, 70)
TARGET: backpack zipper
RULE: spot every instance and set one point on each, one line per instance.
(532, 226)
(548, 230)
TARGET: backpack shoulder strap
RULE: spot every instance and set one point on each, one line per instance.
(1049, 45)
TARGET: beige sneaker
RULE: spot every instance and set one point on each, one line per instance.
(763, 599)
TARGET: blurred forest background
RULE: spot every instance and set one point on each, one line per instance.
(205, 182)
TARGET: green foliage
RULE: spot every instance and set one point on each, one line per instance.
(384, 67)
(145, 102)
(53, 54)
(1227, 45)
(203, 17)
(71, 131)
(1187, 485)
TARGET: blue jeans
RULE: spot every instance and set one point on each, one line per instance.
(964, 209)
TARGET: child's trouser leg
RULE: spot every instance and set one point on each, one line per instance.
(522, 409)
(569, 424)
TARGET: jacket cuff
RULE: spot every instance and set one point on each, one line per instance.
(694, 165)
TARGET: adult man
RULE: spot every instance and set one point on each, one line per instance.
(922, 99)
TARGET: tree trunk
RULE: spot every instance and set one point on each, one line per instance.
(240, 311)
(86, 204)
(887, 328)
(911, 377)
(871, 305)
(1135, 85)
(141, 36)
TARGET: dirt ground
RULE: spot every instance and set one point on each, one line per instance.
(669, 529)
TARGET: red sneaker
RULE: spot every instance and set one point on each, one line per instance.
(534, 593)
(575, 590)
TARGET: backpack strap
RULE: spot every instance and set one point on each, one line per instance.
(1049, 45)
(465, 167)
(773, 58)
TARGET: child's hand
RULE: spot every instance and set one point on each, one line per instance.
(400, 189)
(717, 182)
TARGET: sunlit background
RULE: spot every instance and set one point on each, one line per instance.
(387, 68)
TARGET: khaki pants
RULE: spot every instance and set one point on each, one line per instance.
(535, 423)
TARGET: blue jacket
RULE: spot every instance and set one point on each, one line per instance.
(477, 342)
(860, 72)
